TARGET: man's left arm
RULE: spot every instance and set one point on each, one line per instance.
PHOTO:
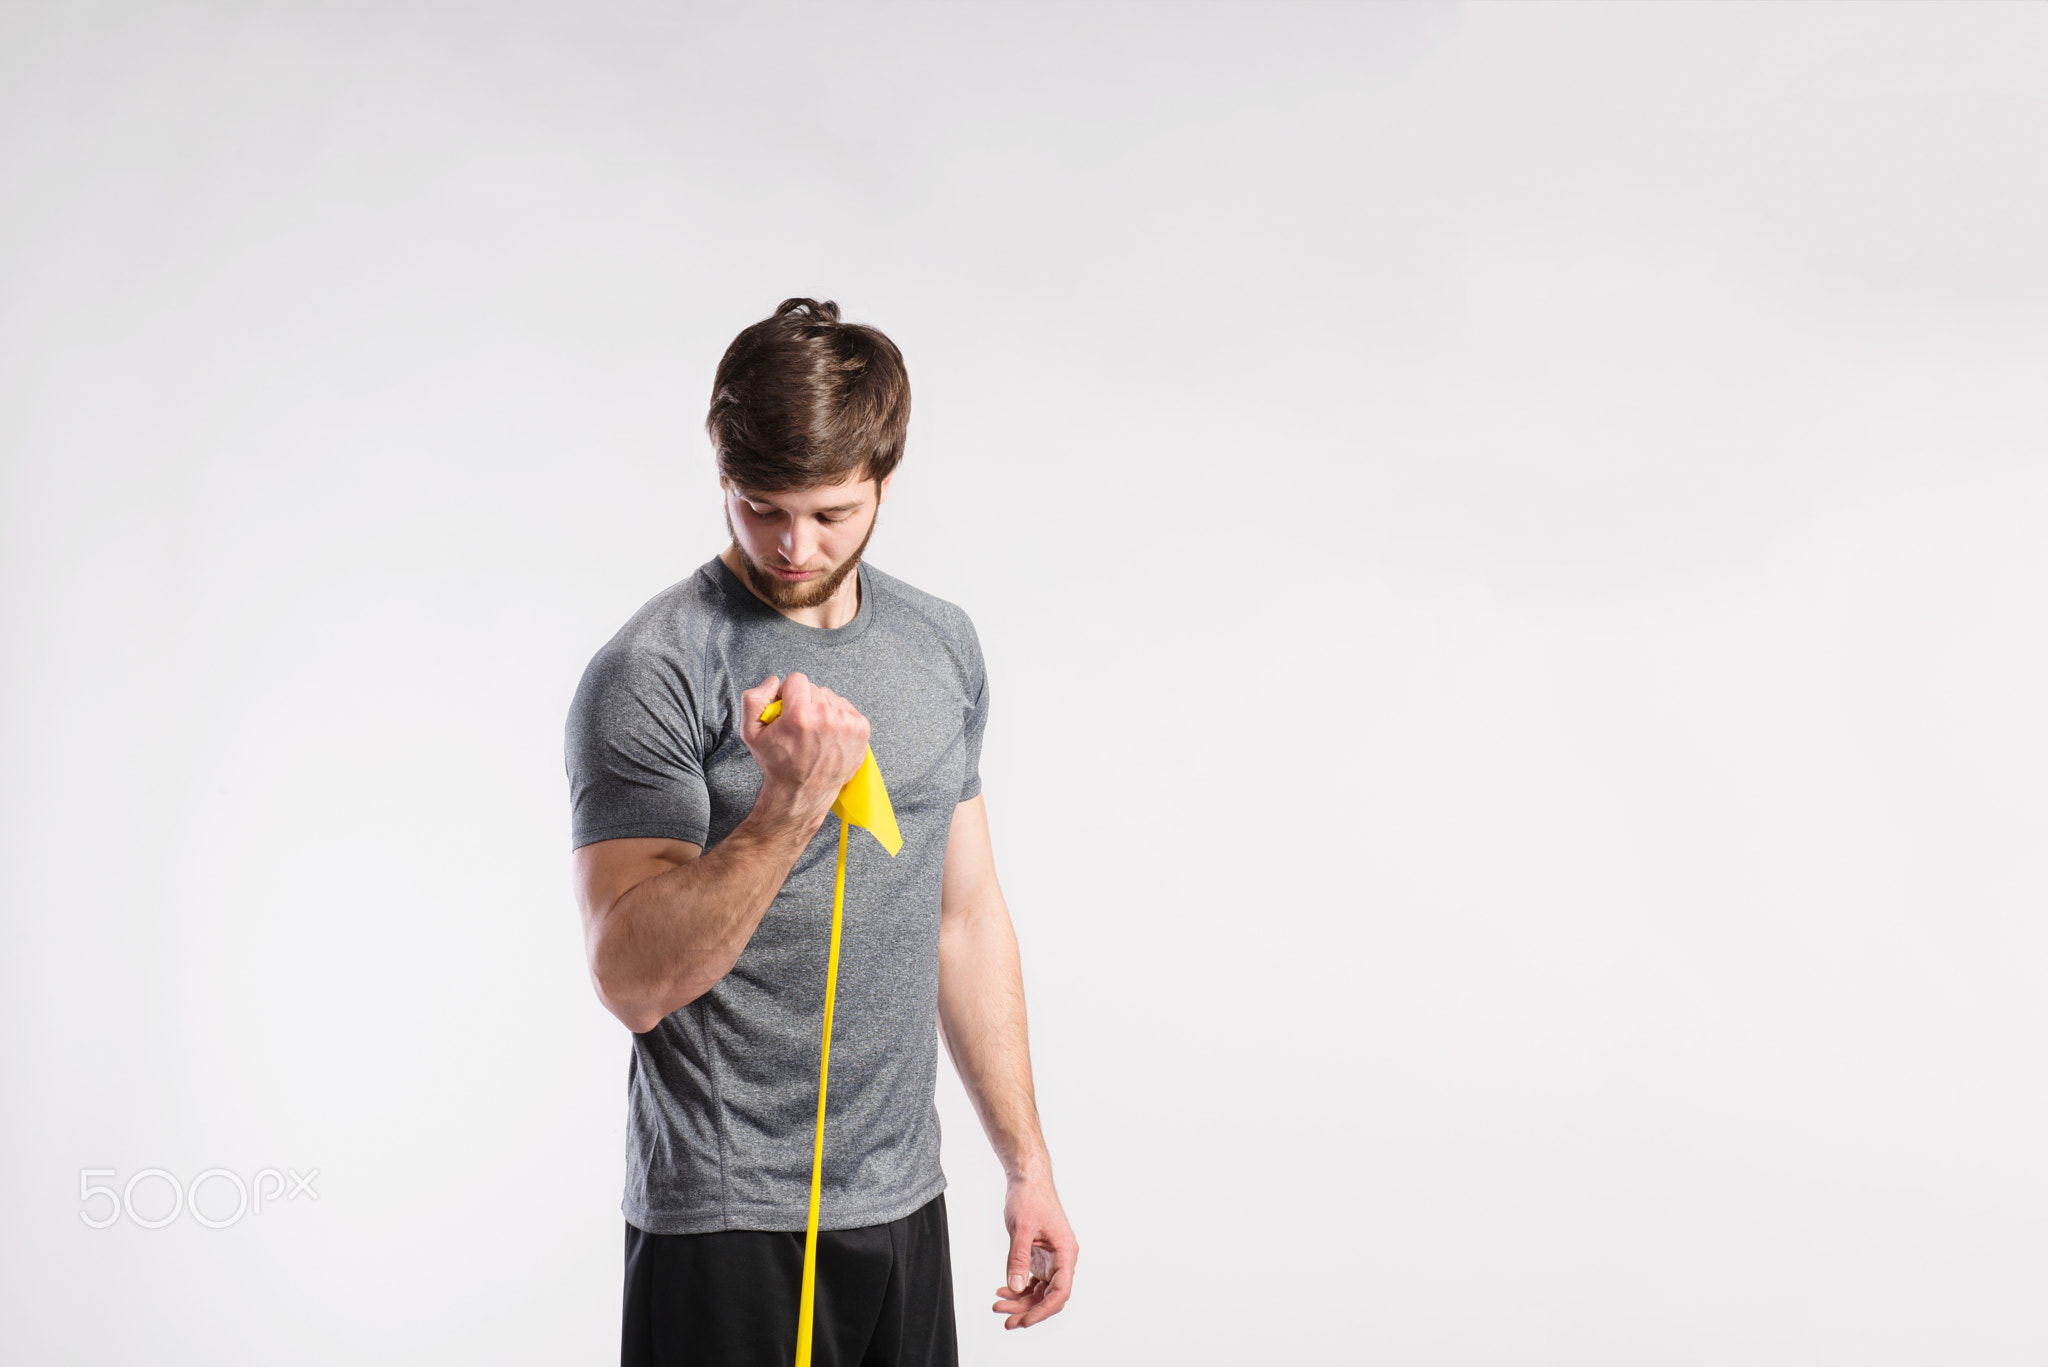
(981, 1018)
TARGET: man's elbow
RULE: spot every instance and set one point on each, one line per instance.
(637, 1015)
(641, 993)
(638, 1005)
(639, 1022)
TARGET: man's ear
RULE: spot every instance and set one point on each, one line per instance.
(882, 489)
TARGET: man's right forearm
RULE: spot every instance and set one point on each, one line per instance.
(663, 942)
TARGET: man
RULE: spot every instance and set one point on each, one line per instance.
(704, 865)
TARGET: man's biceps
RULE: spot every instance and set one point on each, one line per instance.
(967, 839)
(970, 811)
(607, 869)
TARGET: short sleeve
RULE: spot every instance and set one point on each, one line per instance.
(977, 720)
(632, 749)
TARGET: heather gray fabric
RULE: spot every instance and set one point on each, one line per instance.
(722, 1094)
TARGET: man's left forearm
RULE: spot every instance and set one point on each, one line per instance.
(982, 1020)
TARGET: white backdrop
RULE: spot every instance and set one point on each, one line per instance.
(1508, 541)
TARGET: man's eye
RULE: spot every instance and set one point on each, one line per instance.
(760, 512)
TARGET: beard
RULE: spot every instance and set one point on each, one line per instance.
(808, 594)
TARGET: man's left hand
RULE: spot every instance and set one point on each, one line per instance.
(1042, 1254)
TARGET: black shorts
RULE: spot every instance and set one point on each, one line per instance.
(885, 1296)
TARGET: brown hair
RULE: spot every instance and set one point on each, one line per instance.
(803, 399)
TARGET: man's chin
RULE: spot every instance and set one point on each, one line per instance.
(805, 593)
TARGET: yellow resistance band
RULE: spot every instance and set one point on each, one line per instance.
(862, 802)
(809, 1303)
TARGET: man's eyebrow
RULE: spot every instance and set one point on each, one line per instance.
(769, 499)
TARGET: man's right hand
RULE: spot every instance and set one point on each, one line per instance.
(810, 750)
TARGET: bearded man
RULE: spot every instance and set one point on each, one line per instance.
(705, 879)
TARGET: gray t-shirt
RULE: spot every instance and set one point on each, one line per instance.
(722, 1094)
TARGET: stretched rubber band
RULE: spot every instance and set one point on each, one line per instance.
(808, 1305)
(864, 801)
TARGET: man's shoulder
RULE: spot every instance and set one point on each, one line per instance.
(947, 619)
(677, 618)
(667, 637)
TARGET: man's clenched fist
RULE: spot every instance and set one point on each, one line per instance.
(811, 749)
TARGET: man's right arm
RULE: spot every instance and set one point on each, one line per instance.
(664, 920)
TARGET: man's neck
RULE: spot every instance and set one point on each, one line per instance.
(842, 607)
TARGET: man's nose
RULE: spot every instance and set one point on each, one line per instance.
(798, 542)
